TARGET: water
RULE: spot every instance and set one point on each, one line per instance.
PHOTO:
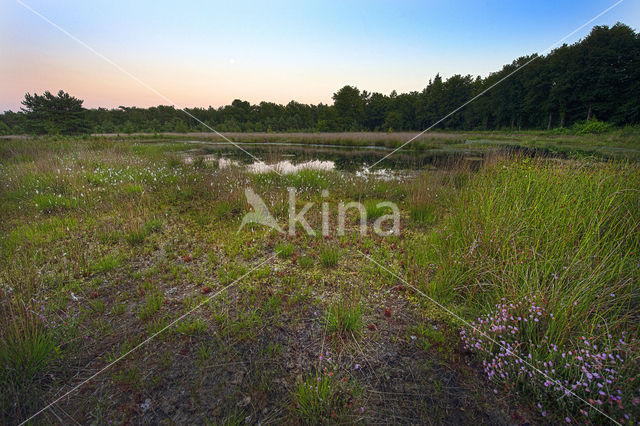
(292, 157)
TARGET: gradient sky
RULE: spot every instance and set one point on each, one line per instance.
(201, 53)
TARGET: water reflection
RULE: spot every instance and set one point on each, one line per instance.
(287, 167)
(290, 158)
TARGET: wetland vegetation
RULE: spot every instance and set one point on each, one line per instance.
(107, 242)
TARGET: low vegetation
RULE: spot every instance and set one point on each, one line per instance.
(106, 242)
(344, 319)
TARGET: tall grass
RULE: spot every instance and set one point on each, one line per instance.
(26, 348)
(565, 231)
(329, 256)
(344, 319)
(559, 241)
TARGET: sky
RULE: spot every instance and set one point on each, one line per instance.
(208, 53)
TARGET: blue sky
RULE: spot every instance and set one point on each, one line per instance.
(201, 53)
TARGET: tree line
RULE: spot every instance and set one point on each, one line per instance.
(596, 77)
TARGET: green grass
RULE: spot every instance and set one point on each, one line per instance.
(119, 308)
(191, 326)
(97, 306)
(285, 250)
(137, 233)
(229, 273)
(135, 236)
(152, 304)
(321, 399)
(118, 226)
(157, 325)
(429, 336)
(26, 349)
(52, 203)
(151, 226)
(329, 256)
(373, 210)
(424, 213)
(306, 262)
(344, 319)
(308, 179)
(133, 189)
(523, 228)
(106, 263)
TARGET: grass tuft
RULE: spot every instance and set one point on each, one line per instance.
(329, 256)
(285, 250)
(26, 348)
(152, 304)
(344, 319)
(322, 399)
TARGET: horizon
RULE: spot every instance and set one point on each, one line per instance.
(274, 53)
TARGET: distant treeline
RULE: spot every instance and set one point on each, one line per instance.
(597, 77)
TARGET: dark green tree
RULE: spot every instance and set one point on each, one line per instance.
(49, 114)
(375, 111)
(349, 107)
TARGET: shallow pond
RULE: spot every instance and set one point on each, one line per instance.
(292, 157)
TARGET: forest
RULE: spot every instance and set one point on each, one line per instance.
(597, 77)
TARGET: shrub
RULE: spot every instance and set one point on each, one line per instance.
(592, 127)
